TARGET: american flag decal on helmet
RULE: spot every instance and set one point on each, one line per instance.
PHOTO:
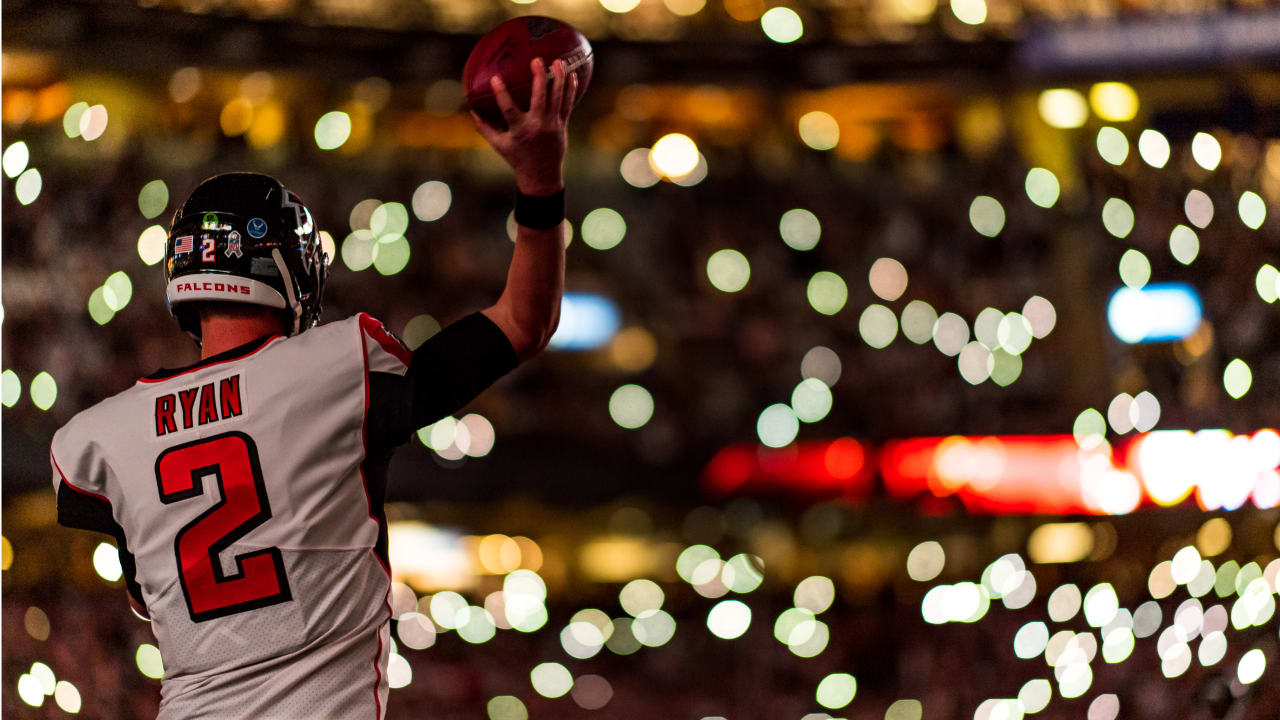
(185, 244)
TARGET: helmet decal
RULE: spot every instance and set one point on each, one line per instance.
(248, 236)
(233, 245)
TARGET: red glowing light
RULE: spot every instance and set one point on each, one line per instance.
(838, 467)
(1020, 474)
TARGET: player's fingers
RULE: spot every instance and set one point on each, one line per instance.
(555, 100)
(487, 131)
(538, 96)
(506, 104)
(570, 94)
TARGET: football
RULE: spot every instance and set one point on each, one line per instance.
(508, 49)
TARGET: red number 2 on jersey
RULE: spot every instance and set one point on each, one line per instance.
(230, 460)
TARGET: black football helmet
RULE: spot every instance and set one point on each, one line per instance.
(244, 237)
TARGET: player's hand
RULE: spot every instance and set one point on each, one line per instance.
(535, 142)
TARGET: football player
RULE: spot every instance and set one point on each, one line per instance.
(245, 491)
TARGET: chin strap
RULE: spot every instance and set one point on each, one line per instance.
(290, 297)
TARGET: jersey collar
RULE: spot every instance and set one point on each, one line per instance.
(235, 353)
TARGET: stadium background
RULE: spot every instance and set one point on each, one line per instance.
(844, 419)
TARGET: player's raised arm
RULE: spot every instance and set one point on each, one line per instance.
(534, 145)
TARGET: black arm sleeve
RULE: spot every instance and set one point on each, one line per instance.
(86, 512)
(446, 372)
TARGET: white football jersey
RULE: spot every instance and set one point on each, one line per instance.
(259, 550)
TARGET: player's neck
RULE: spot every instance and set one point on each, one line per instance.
(220, 333)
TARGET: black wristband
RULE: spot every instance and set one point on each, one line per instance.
(539, 212)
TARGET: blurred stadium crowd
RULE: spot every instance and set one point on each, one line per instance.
(720, 289)
(764, 251)
(1153, 628)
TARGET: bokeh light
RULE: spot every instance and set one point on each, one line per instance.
(729, 619)
(591, 692)
(1199, 208)
(1267, 283)
(1089, 429)
(43, 390)
(1135, 269)
(777, 425)
(10, 388)
(818, 130)
(117, 291)
(416, 631)
(1184, 245)
(986, 214)
(1153, 146)
(391, 254)
(153, 198)
(67, 697)
(631, 406)
(975, 363)
(811, 400)
(815, 593)
(1035, 695)
(149, 662)
(1014, 333)
(950, 334)
(636, 169)
(685, 7)
(603, 228)
(431, 200)
(969, 12)
(106, 562)
(836, 690)
(1206, 151)
(674, 155)
(1113, 101)
(399, 672)
(1042, 187)
(15, 159)
(782, 25)
(878, 326)
(551, 679)
(1030, 640)
(905, 709)
(1062, 108)
(418, 330)
(28, 186)
(925, 561)
(918, 318)
(332, 130)
(1117, 217)
(71, 118)
(389, 218)
(800, 229)
(93, 123)
(827, 292)
(1252, 209)
(728, 270)
(1237, 378)
(506, 707)
(654, 628)
(1251, 666)
(640, 596)
(743, 573)
(358, 250)
(888, 278)
(1113, 146)
(29, 690)
(822, 363)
